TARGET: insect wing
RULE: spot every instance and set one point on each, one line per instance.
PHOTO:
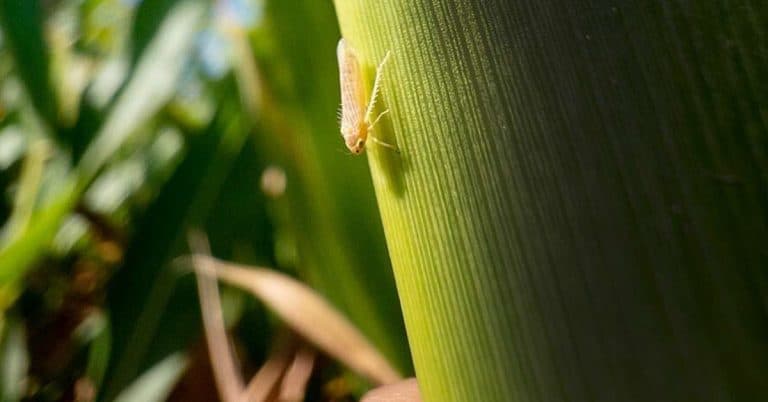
(351, 84)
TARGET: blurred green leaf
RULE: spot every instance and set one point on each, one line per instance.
(241, 229)
(140, 292)
(22, 25)
(147, 91)
(14, 361)
(25, 248)
(151, 86)
(156, 383)
(98, 356)
(145, 24)
(27, 191)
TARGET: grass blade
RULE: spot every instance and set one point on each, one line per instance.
(578, 210)
(22, 26)
(226, 373)
(308, 314)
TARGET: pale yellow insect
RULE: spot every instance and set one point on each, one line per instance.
(356, 124)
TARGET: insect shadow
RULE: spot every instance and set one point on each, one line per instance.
(391, 163)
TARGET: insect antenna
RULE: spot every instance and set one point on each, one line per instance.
(343, 150)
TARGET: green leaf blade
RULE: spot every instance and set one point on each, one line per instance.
(554, 230)
(22, 26)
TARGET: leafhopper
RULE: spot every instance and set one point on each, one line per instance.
(356, 113)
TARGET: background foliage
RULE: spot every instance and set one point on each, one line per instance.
(123, 124)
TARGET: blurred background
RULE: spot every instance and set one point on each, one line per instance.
(126, 123)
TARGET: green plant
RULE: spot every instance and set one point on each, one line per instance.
(578, 208)
(125, 124)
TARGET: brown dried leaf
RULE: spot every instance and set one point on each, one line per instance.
(307, 313)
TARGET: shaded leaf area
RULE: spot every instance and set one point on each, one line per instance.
(580, 199)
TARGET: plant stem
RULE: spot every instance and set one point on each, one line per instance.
(578, 208)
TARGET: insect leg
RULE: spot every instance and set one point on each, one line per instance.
(384, 144)
(370, 126)
(378, 141)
